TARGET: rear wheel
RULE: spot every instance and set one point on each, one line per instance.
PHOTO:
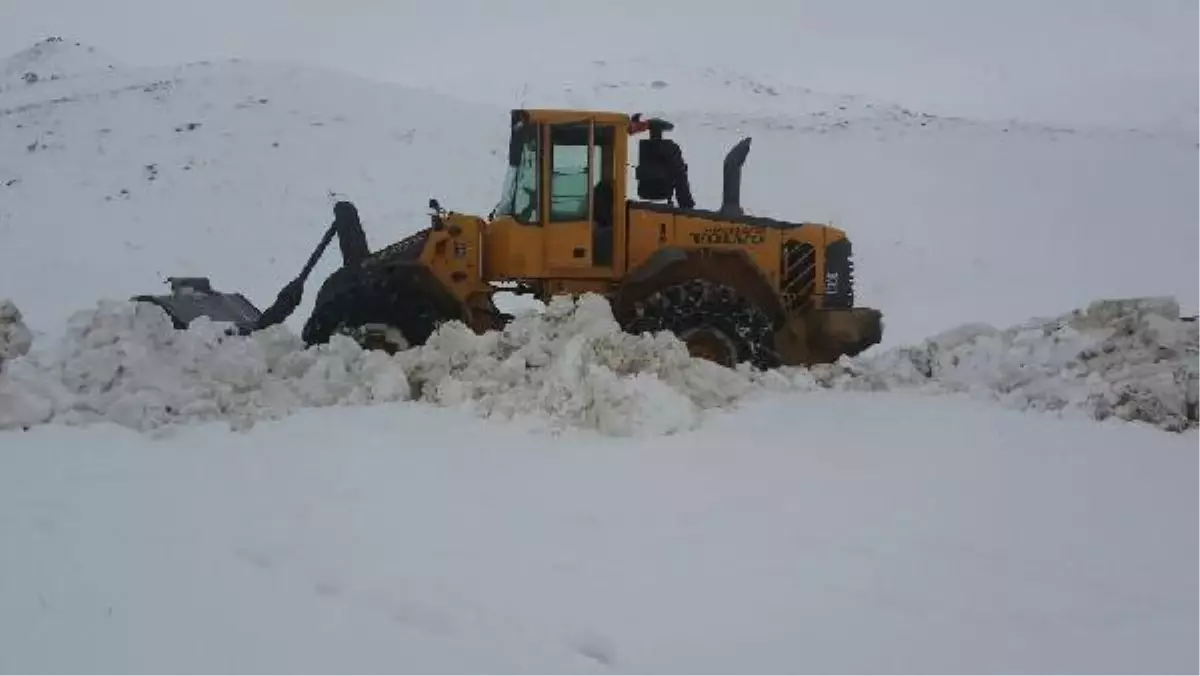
(713, 320)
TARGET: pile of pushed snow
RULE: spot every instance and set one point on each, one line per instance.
(126, 363)
(1132, 359)
(570, 365)
(15, 338)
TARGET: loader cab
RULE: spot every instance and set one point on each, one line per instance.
(561, 213)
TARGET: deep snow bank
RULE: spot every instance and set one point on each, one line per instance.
(568, 366)
(572, 366)
(1133, 359)
(125, 362)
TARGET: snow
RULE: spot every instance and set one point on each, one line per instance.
(1133, 359)
(933, 55)
(570, 365)
(1006, 484)
(15, 337)
(126, 363)
(227, 170)
(817, 532)
(49, 60)
(230, 169)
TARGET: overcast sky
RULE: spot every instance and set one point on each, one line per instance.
(1072, 60)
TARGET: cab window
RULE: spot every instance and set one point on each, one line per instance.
(570, 172)
(525, 182)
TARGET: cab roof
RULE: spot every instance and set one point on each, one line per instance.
(567, 115)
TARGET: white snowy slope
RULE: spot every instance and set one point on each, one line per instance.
(561, 497)
(119, 179)
(1075, 61)
(109, 183)
(49, 60)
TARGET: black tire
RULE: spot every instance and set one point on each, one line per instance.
(355, 297)
(715, 321)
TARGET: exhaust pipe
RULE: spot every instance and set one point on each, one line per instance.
(731, 193)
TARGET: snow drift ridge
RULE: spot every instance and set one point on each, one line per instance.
(1132, 359)
(572, 366)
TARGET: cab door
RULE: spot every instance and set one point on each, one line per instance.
(573, 163)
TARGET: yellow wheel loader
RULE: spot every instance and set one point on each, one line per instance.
(734, 287)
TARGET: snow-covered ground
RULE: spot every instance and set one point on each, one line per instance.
(806, 533)
(982, 492)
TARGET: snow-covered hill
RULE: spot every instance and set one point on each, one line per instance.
(110, 183)
(227, 169)
(49, 60)
(621, 507)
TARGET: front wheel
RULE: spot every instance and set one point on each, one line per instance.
(381, 308)
(713, 320)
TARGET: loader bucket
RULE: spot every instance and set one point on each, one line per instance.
(824, 336)
(194, 297)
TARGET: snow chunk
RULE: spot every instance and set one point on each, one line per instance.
(20, 405)
(15, 338)
(1132, 359)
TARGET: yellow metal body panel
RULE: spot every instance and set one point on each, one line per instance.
(453, 254)
(513, 250)
(649, 231)
(568, 248)
(653, 229)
